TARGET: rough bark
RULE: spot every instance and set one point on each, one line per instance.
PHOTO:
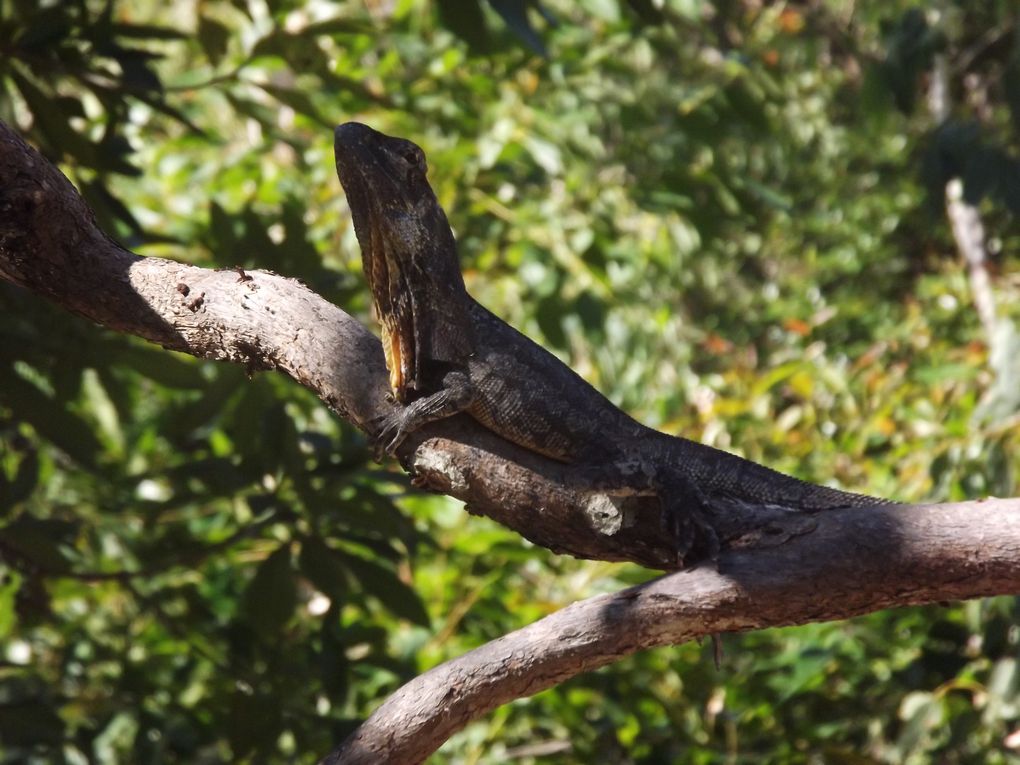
(50, 244)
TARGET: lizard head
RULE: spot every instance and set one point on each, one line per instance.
(408, 252)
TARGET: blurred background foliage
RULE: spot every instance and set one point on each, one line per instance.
(727, 215)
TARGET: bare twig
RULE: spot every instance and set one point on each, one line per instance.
(964, 218)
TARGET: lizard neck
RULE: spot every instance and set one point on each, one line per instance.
(409, 256)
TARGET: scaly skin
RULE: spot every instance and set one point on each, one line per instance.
(447, 354)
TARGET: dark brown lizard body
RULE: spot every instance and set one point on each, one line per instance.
(448, 354)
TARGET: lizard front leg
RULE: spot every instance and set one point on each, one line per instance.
(456, 394)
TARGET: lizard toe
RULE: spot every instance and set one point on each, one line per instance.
(390, 434)
(693, 536)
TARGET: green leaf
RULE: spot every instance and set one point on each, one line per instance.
(40, 541)
(25, 479)
(647, 10)
(213, 37)
(550, 319)
(180, 422)
(338, 26)
(465, 19)
(157, 102)
(54, 123)
(515, 14)
(146, 32)
(271, 596)
(931, 375)
(46, 28)
(592, 312)
(10, 581)
(298, 100)
(137, 74)
(385, 585)
(104, 413)
(165, 367)
(254, 723)
(110, 210)
(71, 106)
(324, 567)
(52, 421)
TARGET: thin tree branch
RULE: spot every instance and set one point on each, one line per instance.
(853, 562)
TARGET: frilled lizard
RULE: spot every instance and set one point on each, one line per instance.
(447, 354)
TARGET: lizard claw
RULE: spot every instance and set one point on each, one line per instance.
(390, 436)
(692, 533)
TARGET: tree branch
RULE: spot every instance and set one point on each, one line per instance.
(852, 562)
(50, 244)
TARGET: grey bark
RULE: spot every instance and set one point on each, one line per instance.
(50, 244)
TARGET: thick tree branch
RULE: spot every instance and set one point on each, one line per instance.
(50, 244)
(852, 562)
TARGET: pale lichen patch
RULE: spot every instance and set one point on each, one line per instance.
(604, 513)
(435, 461)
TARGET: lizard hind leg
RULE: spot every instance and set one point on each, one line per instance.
(685, 509)
(685, 516)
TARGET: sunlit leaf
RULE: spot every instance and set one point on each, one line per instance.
(382, 583)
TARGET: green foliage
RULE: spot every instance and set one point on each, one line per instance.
(727, 216)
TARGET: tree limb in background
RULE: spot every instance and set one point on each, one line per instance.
(1001, 400)
(964, 218)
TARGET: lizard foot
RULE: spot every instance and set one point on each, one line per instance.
(391, 432)
(394, 427)
(685, 516)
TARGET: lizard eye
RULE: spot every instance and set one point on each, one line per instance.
(414, 157)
